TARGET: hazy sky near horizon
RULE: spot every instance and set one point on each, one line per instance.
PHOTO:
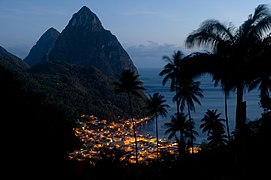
(147, 29)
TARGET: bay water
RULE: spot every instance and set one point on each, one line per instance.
(213, 99)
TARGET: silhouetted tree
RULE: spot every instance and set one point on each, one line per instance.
(172, 71)
(188, 93)
(213, 125)
(238, 49)
(263, 82)
(130, 84)
(178, 123)
(156, 106)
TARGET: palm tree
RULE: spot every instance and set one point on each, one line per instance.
(178, 123)
(130, 84)
(223, 79)
(156, 106)
(172, 71)
(217, 138)
(192, 133)
(188, 93)
(263, 82)
(213, 125)
(237, 48)
(210, 121)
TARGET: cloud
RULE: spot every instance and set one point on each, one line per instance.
(150, 55)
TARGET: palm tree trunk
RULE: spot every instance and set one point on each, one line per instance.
(156, 126)
(239, 110)
(134, 128)
(182, 144)
(177, 101)
(226, 115)
(240, 125)
(192, 141)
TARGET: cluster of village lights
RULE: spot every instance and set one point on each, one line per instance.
(98, 134)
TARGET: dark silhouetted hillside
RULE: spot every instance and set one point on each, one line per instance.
(42, 47)
(85, 42)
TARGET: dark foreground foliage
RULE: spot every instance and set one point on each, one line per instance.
(208, 164)
(36, 138)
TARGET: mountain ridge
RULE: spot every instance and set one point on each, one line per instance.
(77, 88)
(42, 47)
(85, 42)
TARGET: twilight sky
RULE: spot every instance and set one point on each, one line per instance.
(147, 29)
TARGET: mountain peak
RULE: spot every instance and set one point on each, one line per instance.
(87, 19)
(84, 8)
(42, 47)
(52, 30)
(85, 42)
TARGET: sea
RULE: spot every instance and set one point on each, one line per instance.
(213, 99)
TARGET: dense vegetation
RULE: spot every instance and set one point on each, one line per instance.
(36, 135)
(80, 90)
(40, 104)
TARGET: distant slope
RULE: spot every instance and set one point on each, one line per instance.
(71, 86)
(11, 60)
(80, 90)
(5, 53)
(42, 47)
